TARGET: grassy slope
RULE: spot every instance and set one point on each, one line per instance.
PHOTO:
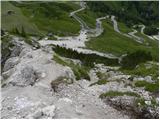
(112, 42)
(89, 17)
(45, 17)
(153, 45)
(9, 22)
(53, 17)
(123, 28)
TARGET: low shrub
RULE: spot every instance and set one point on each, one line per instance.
(133, 59)
(151, 87)
(99, 82)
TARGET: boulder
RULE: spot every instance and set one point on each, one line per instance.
(123, 102)
(10, 63)
(26, 76)
(16, 50)
(7, 73)
(46, 112)
(148, 79)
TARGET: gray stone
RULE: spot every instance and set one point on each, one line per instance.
(16, 50)
(46, 112)
(49, 111)
(37, 114)
(25, 77)
(148, 79)
(10, 63)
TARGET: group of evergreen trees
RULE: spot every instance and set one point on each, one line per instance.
(151, 31)
(86, 59)
(129, 12)
(133, 59)
(128, 62)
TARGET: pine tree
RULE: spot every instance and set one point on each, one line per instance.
(16, 31)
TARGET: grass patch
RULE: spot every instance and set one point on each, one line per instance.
(117, 93)
(153, 45)
(51, 16)
(151, 87)
(99, 82)
(81, 72)
(52, 38)
(142, 103)
(101, 75)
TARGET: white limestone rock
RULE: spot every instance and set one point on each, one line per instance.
(10, 63)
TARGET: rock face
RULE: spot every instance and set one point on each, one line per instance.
(10, 63)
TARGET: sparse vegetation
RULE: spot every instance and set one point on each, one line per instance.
(99, 82)
(142, 103)
(101, 75)
(142, 70)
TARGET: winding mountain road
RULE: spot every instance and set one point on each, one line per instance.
(154, 37)
(78, 42)
(130, 34)
(137, 38)
(73, 14)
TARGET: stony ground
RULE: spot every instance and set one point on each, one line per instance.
(27, 92)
